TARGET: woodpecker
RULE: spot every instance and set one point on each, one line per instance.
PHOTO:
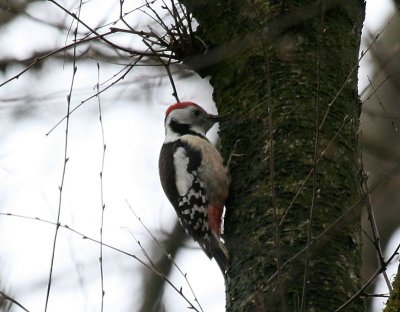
(194, 177)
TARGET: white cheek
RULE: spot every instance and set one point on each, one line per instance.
(183, 178)
(170, 136)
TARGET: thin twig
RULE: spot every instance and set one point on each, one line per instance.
(83, 236)
(166, 254)
(369, 282)
(159, 20)
(77, 18)
(374, 228)
(74, 69)
(270, 144)
(175, 16)
(47, 55)
(121, 15)
(139, 8)
(127, 69)
(340, 220)
(3, 296)
(188, 21)
(315, 163)
(345, 120)
(272, 187)
(392, 123)
(387, 78)
(103, 206)
(89, 37)
(360, 291)
(167, 69)
(145, 253)
(367, 295)
(355, 67)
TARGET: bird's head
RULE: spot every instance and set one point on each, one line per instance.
(188, 118)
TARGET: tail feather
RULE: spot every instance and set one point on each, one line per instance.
(215, 248)
(219, 252)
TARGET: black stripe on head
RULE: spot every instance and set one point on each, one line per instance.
(183, 129)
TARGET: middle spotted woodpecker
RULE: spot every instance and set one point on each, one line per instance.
(194, 178)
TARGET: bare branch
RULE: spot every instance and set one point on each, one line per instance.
(83, 236)
(3, 296)
(74, 69)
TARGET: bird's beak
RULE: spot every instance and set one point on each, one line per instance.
(216, 118)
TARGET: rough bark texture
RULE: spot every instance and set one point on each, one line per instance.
(263, 60)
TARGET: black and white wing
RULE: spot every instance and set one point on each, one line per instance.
(186, 191)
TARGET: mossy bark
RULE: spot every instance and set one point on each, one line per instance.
(393, 304)
(275, 81)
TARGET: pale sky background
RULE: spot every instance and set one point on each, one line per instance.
(31, 168)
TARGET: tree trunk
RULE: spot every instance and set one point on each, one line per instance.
(277, 68)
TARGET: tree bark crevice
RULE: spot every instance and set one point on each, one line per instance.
(259, 74)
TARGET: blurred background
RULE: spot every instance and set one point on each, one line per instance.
(128, 118)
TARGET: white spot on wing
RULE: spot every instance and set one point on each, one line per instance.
(183, 178)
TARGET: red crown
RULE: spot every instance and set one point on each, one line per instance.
(180, 105)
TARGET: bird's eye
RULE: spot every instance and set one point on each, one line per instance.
(196, 112)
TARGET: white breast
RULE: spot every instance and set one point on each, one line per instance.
(212, 171)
